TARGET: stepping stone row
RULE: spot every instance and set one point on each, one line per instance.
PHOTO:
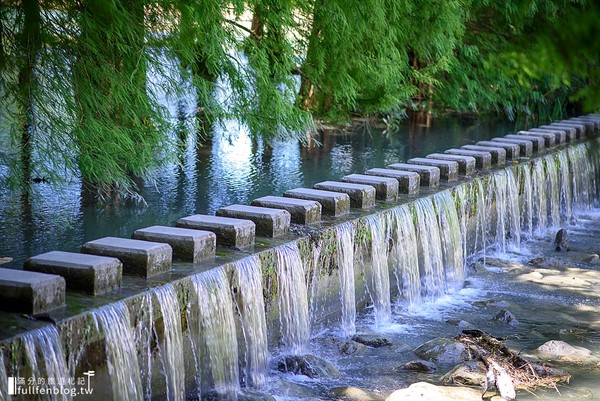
(41, 286)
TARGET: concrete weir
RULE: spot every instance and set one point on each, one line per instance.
(212, 324)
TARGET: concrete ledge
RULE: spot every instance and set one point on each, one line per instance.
(525, 146)
(30, 292)
(90, 274)
(569, 130)
(334, 203)
(302, 211)
(512, 149)
(498, 153)
(361, 196)
(230, 232)
(483, 160)
(538, 143)
(549, 138)
(448, 168)
(580, 128)
(140, 258)
(430, 176)
(269, 222)
(386, 188)
(466, 164)
(408, 182)
(188, 245)
(560, 135)
(592, 123)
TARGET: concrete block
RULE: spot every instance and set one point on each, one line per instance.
(334, 203)
(538, 143)
(302, 211)
(466, 164)
(569, 130)
(512, 149)
(525, 146)
(483, 160)
(430, 176)
(30, 292)
(140, 258)
(238, 233)
(386, 188)
(592, 124)
(498, 153)
(560, 135)
(549, 138)
(188, 245)
(448, 168)
(579, 128)
(269, 222)
(361, 196)
(408, 182)
(90, 274)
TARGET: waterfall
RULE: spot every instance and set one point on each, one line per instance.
(452, 245)
(378, 278)
(292, 299)
(566, 192)
(524, 174)
(506, 201)
(213, 334)
(481, 217)
(540, 197)
(405, 257)
(170, 344)
(251, 309)
(113, 321)
(45, 357)
(3, 380)
(345, 258)
(553, 190)
(584, 176)
(431, 264)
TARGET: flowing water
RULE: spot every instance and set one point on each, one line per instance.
(376, 272)
(170, 342)
(345, 258)
(251, 308)
(3, 380)
(113, 322)
(292, 300)
(213, 335)
(431, 265)
(452, 245)
(405, 257)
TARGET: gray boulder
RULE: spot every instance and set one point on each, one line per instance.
(307, 365)
(417, 366)
(507, 317)
(372, 340)
(561, 241)
(422, 391)
(446, 351)
(470, 373)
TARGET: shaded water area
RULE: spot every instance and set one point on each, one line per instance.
(229, 168)
(281, 323)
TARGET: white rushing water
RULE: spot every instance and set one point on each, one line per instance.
(113, 322)
(376, 272)
(292, 300)
(405, 257)
(452, 242)
(345, 258)
(3, 380)
(431, 264)
(170, 343)
(251, 309)
(213, 335)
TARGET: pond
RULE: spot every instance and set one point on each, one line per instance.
(231, 167)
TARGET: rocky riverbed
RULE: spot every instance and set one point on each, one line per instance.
(543, 303)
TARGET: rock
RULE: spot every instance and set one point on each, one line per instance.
(372, 340)
(592, 258)
(470, 373)
(248, 395)
(507, 317)
(422, 391)
(447, 351)
(417, 366)
(549, 263)
(307, 365)
(352, 348)
(459, 323)
(562, 351)
(561, 241)
(353, 394)
(5, 260)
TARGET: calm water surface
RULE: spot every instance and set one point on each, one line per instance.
(229, 168)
